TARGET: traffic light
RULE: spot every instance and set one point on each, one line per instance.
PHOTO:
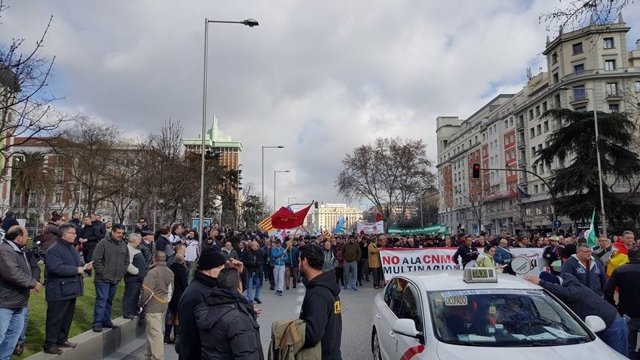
(476, 171)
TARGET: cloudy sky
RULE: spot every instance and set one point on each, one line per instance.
(319, 77)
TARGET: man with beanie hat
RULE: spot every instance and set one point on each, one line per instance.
(210, 263)
(584, 302)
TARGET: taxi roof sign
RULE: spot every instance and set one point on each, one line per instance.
(480, 275)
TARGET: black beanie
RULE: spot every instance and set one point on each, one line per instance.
(210, 259)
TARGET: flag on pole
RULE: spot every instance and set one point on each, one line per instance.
(591, 236)
(286, 219)
(265, 225)
(341, 225)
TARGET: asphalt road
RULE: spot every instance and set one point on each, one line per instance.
(356, 322)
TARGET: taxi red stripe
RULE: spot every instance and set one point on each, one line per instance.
(412, 351)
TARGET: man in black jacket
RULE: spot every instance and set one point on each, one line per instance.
(63, 271)
(229, 318)
(627, 279)
(210, 264)
(16, 282)
(584, 302)
(321, 307)
(466, 251)
(252, 260)
(89, 237)
(110, 261)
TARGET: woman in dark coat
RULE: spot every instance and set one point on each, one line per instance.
(180, 282)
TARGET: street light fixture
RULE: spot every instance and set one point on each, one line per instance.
(595, 125)
(267, 147)
(275, 172)
(249, 23)
(289, 199)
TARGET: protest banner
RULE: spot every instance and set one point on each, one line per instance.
(370, 228)
(526, 261)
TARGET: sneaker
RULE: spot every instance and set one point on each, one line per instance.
(53, 350)
(96, 328)
(354, 288)
(110, 325)
(257, 300)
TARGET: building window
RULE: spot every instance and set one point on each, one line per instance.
(609, 65)
(538, 130)
(533, 150)
(614, 107)
(532, 133)
(580, 109)
(612, 89)
(546, 126)
(579, 93)
(531, 114)
(637, 86)
(556, 79)
(544, 107)
(535, 189)
(554, 58)
(537, 110)
(58, 198)
(578, 68)
(608, 43)
(577, 48)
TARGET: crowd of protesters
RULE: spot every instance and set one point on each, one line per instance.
(170, 279)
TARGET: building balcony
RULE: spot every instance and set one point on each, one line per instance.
(614, 96)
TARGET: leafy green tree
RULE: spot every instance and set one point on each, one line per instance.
(30, 175)
(576, 185)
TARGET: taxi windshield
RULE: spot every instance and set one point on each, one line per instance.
(503, 317)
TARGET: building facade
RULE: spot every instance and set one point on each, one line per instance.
(326, 216)
(587, 68)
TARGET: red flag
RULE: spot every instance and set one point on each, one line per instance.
(286, 219)
(379, 217)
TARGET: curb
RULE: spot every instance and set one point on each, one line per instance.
(92, 345)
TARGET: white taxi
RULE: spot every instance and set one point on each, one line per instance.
(479, 314)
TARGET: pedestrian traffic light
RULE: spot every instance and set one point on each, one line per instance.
(476, 171)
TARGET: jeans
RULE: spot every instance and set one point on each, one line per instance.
(11, 323)
(253, 285)
(278, 274)
(350, 274)
(617, 336)
(105, 292)
(634, 326)
(23, 335)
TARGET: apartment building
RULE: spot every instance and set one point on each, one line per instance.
(587, 68)
(325, 216)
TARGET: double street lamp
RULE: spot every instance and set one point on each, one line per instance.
(267, 147)
(275, 172)
(249, 23)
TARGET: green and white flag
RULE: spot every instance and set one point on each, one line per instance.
(591, 234)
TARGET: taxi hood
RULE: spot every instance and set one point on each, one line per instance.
(591, 350)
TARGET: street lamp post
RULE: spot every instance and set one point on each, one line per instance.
(249, 23)
(267, 147)
(275, 172)
(595, 125)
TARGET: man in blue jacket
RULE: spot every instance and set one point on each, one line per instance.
(587, 269)
(63, 274)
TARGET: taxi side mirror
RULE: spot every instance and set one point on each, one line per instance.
(407, 327)
(595, 323)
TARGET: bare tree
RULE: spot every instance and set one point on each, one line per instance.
(93, 157)
(391, 173)
(578, 13)
(25, 104)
